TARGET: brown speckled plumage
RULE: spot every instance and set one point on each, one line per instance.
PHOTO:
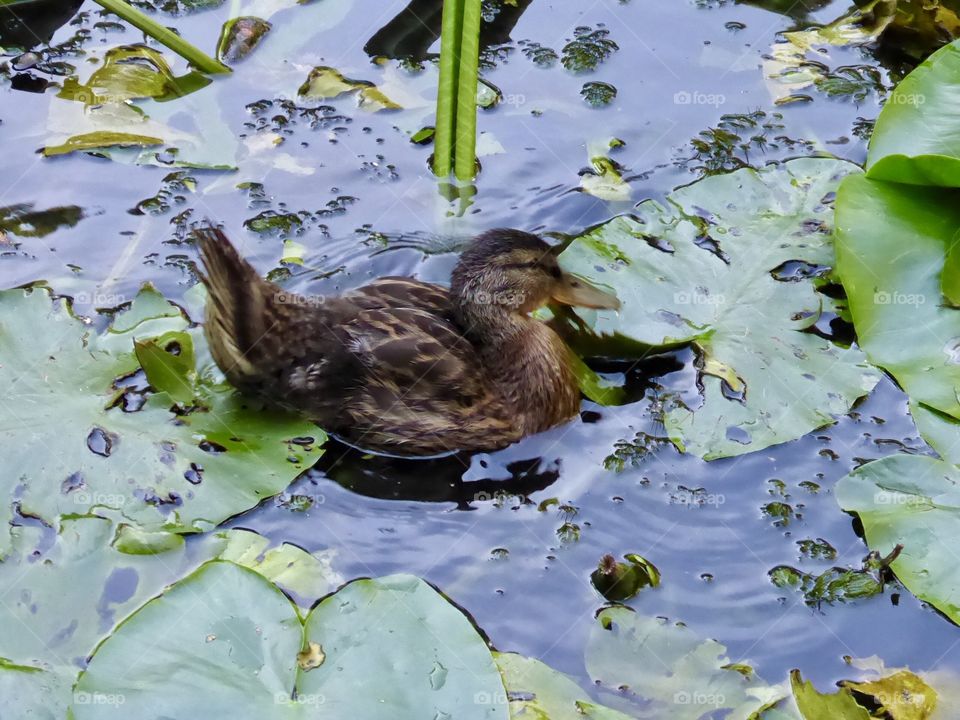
(400, 365)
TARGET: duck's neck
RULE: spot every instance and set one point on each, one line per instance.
(527, 361)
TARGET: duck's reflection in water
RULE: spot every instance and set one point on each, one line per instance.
(461, 478)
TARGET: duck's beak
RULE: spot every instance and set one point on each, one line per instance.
(571, 290)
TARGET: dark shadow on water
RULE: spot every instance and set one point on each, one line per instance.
(411, 33)
(434, 479)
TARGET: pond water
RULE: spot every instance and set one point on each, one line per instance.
(482, 527)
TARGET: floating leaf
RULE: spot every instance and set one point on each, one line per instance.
(671, 671)
(894, 288)
(388, 643)
(903, 695)
(913, 501)
(538, 691)
(51, 578)
(142, 465)
(915, 137)
(815, 705)
(604, 180)
(706, 271)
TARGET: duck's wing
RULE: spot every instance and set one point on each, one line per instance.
(401, 292)
(423, 384)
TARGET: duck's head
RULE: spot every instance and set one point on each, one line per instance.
(517, 272)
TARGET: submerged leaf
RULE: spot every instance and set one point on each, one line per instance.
(101, 141)
(240, 37)
(703, 271)
(788, 65)
(327, 83)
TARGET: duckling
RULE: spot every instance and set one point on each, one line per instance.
(402, 366)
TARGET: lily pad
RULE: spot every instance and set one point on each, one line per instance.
(915, 137)
(225, 641)
(913, 501)
(710, 269)
(891, 243)
(74, 446)
(670, 671)
(814, 704)
(538, 691)
(63, 594)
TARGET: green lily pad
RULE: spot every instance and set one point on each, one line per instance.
(64, 594)
(726, 267)
(914, 501)
(815, 705)
(672, 672)
(72, 448)
(538, 691)
(33, 692)
(229, 642)
(891, 244)
(915, 139)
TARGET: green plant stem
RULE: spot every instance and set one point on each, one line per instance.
(465, 161)
(451, 36)
(164, 36)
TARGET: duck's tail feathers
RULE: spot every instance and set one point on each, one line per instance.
(238, 306)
